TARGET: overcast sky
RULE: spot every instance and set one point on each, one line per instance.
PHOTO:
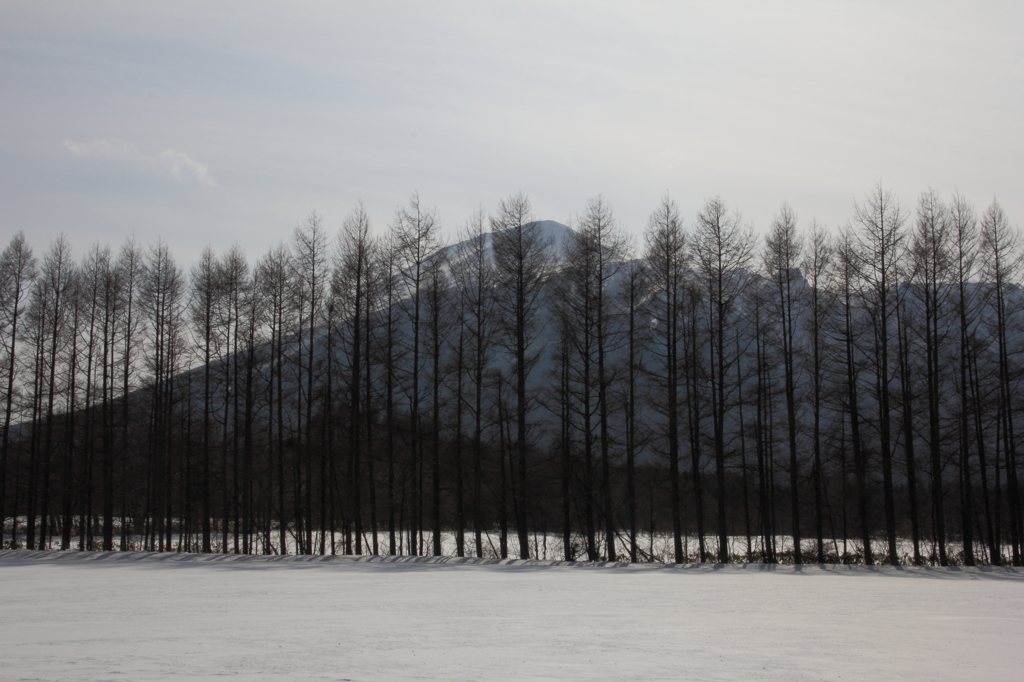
(222, 122)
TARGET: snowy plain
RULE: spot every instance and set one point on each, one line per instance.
(135, 616)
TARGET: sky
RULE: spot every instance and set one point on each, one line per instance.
(216, 123)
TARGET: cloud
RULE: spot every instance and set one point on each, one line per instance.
(178, 164)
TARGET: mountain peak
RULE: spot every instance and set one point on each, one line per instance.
(552, 230)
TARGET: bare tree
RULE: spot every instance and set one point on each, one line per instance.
(594, 254)
(274, 277)
(202, 304)
(523, 264)
(782, 255)
(309, 258)
(415, 230)
(56, 277)
(389, 265)
(575, 305)
(162, 290)
(233, 275)
(933, 266)
(373, 286)
(816, 265)
(17, 273)
(438, 318)
(564, 401)
(252, 313)
(881, 249)
(633, 293)
(97, 304)
(904, 319)
(759, 298)
(131, 268)
(474, 278)
(71, 369)
(849, 334)
(1004, 260)
(666, 256)
(349, 284)
(723, 248)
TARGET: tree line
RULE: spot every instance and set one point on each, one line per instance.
(846, 395)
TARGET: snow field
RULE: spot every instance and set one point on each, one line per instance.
(133, 616)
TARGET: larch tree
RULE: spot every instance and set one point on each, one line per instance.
(849, 334)
(162, 291)
(390, 275)
(202, 303)
(437, 299)
(575, 308)
(56, 279)
(632, 296)
(723, 248)
(933, 264)
(965, 244)
(1003, 262)
(131, 268)
(816, 265)
(17, 273)
(522, 263)
(415, 229)
(309, 260)
(594, 255)
(98, 294)
(667, 258)
(354, 254)
(783, 247)
(475, 282)
(882, 247)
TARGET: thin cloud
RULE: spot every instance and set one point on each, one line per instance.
(178, 164)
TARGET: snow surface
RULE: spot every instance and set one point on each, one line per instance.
(134, 616)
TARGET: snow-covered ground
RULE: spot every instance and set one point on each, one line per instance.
(130, 616)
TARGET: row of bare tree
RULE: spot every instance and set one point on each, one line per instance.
(809, 395)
